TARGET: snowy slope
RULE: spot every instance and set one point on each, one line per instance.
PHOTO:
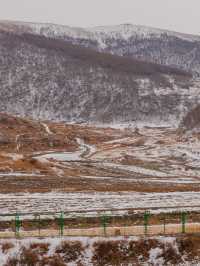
(146, 43)
(126, 31)
(122, 31)
(51, 78)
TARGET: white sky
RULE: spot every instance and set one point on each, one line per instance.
(178, 15)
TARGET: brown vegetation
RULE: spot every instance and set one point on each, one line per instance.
(183, 248)
(36, 254)
(6, 246)
(134, 252)
(70, 251)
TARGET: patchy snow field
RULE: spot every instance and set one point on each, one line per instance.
(57, 202)
(61, 156)
(90, 251)
(107, 169)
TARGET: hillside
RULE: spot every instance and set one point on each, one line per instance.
(144, 43)
(51, 79)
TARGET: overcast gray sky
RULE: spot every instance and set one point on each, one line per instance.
(178, 15)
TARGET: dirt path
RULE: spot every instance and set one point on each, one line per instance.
(47, 129)
(169, 229)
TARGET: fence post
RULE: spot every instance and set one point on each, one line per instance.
(61, 223)
(164, 224)
(39, 223)
(17, 225)
(183, 221)
(146, 220)
(104, 222)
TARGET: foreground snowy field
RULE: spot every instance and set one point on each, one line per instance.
(101, 251)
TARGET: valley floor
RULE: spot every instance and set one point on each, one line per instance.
(54, 167)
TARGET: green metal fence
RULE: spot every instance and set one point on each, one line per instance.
(96, 218)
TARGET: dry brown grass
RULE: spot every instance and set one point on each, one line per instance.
(36, 254)
(70, 251)
(28, 257)
(5, 247)
(50, 182)
(189, 246)
(120, 253)
(52, 261)
(111, 253)
(131, 160)
(13, 261)
(40, 248)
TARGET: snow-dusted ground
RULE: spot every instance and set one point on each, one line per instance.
(13, 156)
(154, 259)
(56, 202)
(47, 129)
(147, 179)
(137, 169)
(70, 156)
(173, 157)
(169, 159)
(61, 156)
(19, 174)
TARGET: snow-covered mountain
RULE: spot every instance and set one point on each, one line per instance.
(46, 72)
(145, 43)
(48, 78)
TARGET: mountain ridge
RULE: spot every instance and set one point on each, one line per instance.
(104, 28)
(56, 79)
(148, 44)
(46, 78)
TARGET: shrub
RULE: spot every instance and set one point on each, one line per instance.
(12, 262)
(170, 255)
(70, 251)
(110, 253)
(120, 253)
(6, 246)
(28, 257)
(142, 247)
(40, 248)
(190, 246)
(52, 261)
